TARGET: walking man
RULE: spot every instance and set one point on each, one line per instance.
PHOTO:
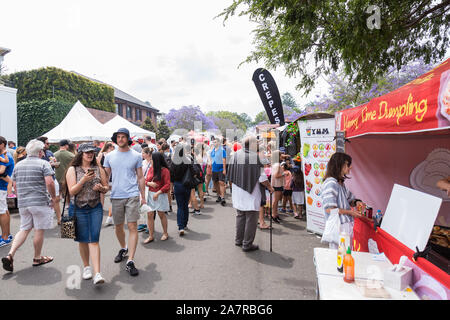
(128, 183)
(219, 162)
(32, 178)
(246, 173)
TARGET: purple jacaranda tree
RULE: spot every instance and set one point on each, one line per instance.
(343, 94)
(185, 118)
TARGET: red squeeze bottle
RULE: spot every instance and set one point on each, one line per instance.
(349, 267)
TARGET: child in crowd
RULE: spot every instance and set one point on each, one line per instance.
(298, 188)
(5, 177)
(268, 172)
(287, 192)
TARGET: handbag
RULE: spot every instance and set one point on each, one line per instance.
(188, 179)
(68, 224)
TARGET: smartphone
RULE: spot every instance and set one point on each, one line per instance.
(91, 170)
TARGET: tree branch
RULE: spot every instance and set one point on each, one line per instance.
(423, 15)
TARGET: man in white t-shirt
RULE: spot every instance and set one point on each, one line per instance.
(128, 183)
(246, 173)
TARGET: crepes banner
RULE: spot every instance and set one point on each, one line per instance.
(317, 147)
(269, 94)
(421, 105)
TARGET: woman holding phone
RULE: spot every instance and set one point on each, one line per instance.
(85, 182)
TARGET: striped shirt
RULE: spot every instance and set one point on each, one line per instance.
(335, 195)
(29, 176)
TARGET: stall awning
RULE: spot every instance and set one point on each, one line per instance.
(421, 105)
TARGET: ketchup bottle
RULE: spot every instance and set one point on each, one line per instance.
(349, 267)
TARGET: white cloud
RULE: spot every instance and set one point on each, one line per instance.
(170, 53)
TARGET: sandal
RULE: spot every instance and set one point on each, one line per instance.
(164, 237)
(42, 260)
(8, 263)
(148, 240)
(265, 228)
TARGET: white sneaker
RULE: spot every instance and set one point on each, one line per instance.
(98, 279)
(87, 273)
(181, 232)
(109, 221)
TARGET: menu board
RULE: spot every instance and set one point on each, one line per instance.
(317, 147)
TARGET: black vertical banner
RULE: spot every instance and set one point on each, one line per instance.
(270, 97)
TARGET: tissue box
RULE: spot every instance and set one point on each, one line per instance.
(398, 280)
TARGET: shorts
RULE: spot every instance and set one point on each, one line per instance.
(89, 223)
(298, 197)
(218, 176)
(38, 217)
(161, 204)
(287, 193)
(128, 207)
(278, 188)
(3, 202)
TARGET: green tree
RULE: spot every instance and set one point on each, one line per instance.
(261, 117)
(362, 38)
(163, 130)
(148, 125)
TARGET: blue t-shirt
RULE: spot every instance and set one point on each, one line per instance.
(123, 170)
(217, 159)
(9, 170)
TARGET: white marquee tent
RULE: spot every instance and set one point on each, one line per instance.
(119, 122)
(78, 126)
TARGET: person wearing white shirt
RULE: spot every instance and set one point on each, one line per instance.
(246, 173)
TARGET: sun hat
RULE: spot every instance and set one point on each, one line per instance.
(121, 130)
(86, 147)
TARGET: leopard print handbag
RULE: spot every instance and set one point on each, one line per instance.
(68, 224)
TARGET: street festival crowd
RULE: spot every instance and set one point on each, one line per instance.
(143, 177)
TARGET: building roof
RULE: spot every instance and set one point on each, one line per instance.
(122, 95)
(102, 116)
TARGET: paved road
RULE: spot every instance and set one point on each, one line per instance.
(204, 264)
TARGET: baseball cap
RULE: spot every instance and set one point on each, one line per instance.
(121, 130)
(64, 142)
(86, 147)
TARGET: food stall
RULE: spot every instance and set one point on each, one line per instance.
(403, 138)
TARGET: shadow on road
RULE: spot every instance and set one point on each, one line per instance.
(271, 259)
(35, 276)
(142, 284)
(169, 245)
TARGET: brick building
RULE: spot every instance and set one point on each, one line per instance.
(127, 106)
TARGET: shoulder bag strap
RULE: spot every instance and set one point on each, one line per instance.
(68, 195)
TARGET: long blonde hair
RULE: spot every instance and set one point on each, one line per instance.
(19, 150)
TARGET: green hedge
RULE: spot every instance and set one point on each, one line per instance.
(53, 83)
(35, 118)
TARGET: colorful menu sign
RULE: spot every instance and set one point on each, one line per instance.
(317, 147)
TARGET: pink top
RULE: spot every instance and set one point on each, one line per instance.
(287, 180)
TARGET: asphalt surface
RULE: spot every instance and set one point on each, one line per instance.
(203, 265)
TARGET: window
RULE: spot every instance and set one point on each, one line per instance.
(119, 109)
(148, 114)
(129, 115)
(138, 114)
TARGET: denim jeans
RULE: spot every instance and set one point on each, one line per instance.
(182, 195)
